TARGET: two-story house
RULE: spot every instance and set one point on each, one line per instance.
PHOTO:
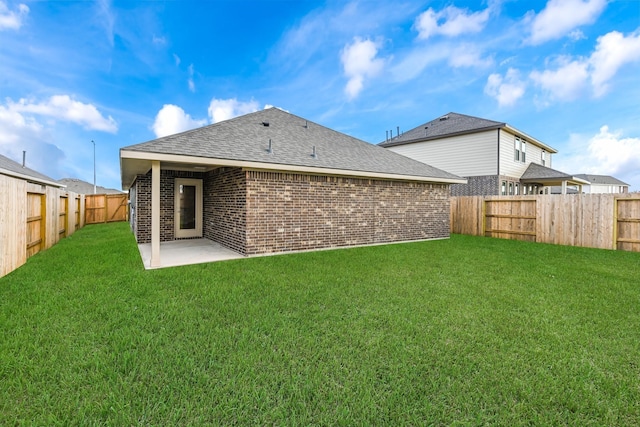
(496, 158)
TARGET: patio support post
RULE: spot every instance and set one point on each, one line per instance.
(155, 213)
(564, 187)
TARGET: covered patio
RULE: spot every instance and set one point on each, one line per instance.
(548, 178)
(185, 252)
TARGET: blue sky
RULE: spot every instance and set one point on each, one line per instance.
(566, 72)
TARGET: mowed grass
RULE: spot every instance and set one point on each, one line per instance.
(466, 331)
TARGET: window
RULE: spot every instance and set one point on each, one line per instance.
(543, 157)
(517, 192)
(520, 149)
(504, 188)
(511, 188)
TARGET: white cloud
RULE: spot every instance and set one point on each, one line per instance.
(19, 132)
(450, 21)
(468, 56)
(65, 108)
(606, 153)
(176, 59)
(506, 90)
(565, 83)
(172, 119)
(159, 40)
(192, 85)
(560, 17)
(12, 19)
(359, 61)
(612, 52)
(225, 109)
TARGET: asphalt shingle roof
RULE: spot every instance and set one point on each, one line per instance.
(600, 179)
(447, 125)
(536, 171)
(246, 138)
(12, 166)
(83, 187)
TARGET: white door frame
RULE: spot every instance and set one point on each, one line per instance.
(192, 232)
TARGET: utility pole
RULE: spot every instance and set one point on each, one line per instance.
(94, 166)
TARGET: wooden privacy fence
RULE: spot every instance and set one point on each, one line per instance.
(105, 208)
(607, 221)
(34, 217)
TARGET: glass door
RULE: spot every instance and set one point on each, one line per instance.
(188, 207)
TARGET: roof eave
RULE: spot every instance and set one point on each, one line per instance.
(128, 177)
(447, 135)
(31, 178)
(529, 138)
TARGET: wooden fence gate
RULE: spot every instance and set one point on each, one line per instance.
(627, 228)
(36, 222)
(101, 208)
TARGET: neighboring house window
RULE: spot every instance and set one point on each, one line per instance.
(504, 188)
(511, 188)
(517, 192)
(524, 151)
(517, 149)
(543, 157)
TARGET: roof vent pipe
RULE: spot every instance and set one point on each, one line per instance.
(306, 124)
(398, 128)
(270, 149)
(313, 153)
(24, 158)
(386, 136)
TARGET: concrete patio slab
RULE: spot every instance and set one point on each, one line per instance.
(186, 252)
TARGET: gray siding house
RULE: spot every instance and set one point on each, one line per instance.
(496, 158)
(271, 181)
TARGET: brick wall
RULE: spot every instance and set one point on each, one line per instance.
(256, 212)
(167, 203)
(478, 186)
(143, 208)
(224, 210)
(288, 212)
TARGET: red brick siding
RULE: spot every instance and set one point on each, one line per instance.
(289, 212)
(224, 193)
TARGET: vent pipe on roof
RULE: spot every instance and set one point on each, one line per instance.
(24, 158)
(313, 154)
(398, 128)
(306, 124)
(270, 149)
(386, 136)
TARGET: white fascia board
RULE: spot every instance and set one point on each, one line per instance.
(281, 167)
(529, 138)
(31, 178)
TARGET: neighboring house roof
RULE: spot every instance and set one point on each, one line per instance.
(601, 179)
(15, 169)
(542, 174)
(244, 142)
(83, 187)
(453, 124)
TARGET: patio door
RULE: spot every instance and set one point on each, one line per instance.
(188, 208)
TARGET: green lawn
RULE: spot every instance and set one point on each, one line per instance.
(466, 331)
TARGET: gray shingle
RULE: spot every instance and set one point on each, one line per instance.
(447, 125)
(536, 171)
(83, 187)
(601, 179)
(246, 138)
(15, 167)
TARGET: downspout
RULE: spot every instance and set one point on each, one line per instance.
(499, 184)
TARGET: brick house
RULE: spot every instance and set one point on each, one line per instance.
(494, 157)
(271, 181)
